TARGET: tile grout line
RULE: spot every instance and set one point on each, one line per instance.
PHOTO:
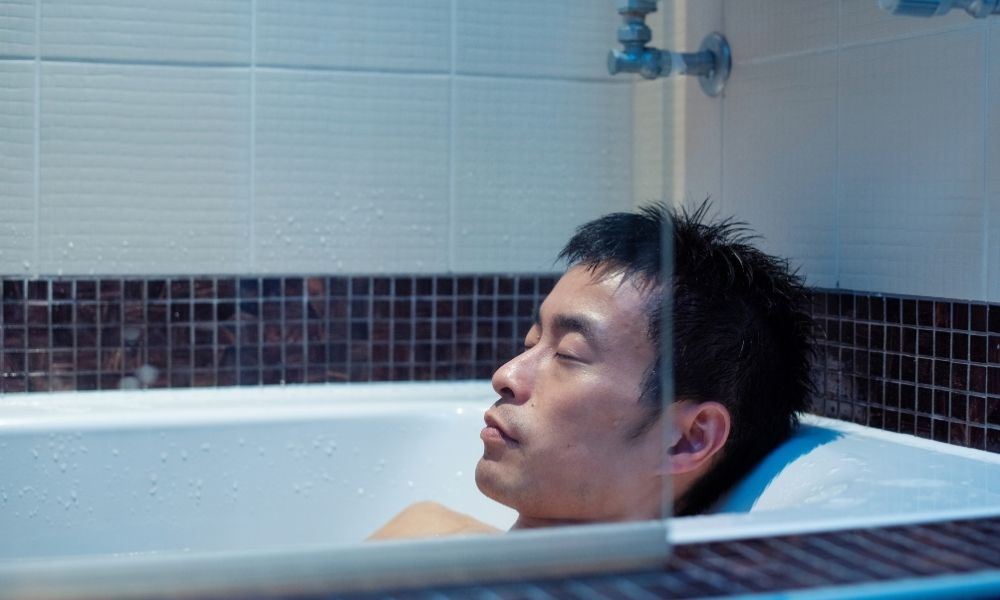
(986, 155)
(36, 129)
(451, 141)
(252, 192)
(838, 132)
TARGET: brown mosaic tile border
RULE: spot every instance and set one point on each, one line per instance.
(111, 333)
(927, 367)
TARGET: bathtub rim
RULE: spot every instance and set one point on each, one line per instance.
(395, 564)
(383, 566)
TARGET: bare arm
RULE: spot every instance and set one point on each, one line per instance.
(430, 519)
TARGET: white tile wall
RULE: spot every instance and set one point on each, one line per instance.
(858, 143)
(911, 167)
(143, 169)
(147, 30)
(992, 220)
(465, 121)
(534, 159)
(300, 135)
(352, 169)
(388, 35)
(530, 38)
(647, 143)
(753, 26)
(692, 137)
(771, 110)
(17, 28)
(17, 151)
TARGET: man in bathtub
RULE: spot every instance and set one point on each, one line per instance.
(578, 435)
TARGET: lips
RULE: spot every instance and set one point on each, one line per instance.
(493, 423)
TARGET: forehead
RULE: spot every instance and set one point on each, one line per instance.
(608, 299)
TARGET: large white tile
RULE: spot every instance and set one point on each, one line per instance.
(758, 28)
(533, 160)
(148, 30)
(911, 159)
(351, 172)
(648, 141)
(527, 37)
(779, 159)
(694, 144)
(17, 28)
(144, 169)
(17, 159)
(864, 21)
(993, 174)
(390, 34)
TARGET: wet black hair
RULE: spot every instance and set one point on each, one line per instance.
(742, 332)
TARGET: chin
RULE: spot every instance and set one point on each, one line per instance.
(490, 482)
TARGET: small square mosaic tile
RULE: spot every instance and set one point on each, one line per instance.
(86, 334)
(926, 367)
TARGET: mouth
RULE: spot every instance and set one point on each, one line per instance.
(496, 432)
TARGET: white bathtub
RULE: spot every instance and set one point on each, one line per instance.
(103, 489)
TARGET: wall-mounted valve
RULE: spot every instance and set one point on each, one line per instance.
(711, 63)
(979, 9)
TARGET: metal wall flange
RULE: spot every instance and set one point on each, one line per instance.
(713, 82)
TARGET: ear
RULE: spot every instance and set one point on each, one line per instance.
(700, 432)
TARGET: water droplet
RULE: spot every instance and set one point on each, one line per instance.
(147, 374)
(206, 447)
(361, 491)
(458, 473)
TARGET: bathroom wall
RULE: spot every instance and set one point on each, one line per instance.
(859, 145)
(304, 136)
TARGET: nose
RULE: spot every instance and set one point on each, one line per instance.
(513, 380)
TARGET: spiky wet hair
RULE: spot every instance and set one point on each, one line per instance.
(742, 333)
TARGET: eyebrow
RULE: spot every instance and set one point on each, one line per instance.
(572, 323)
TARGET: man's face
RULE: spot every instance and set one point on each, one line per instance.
(559, 442)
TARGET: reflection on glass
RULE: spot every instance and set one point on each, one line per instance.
(578, 434)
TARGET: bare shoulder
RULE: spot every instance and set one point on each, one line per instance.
(430, 519)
